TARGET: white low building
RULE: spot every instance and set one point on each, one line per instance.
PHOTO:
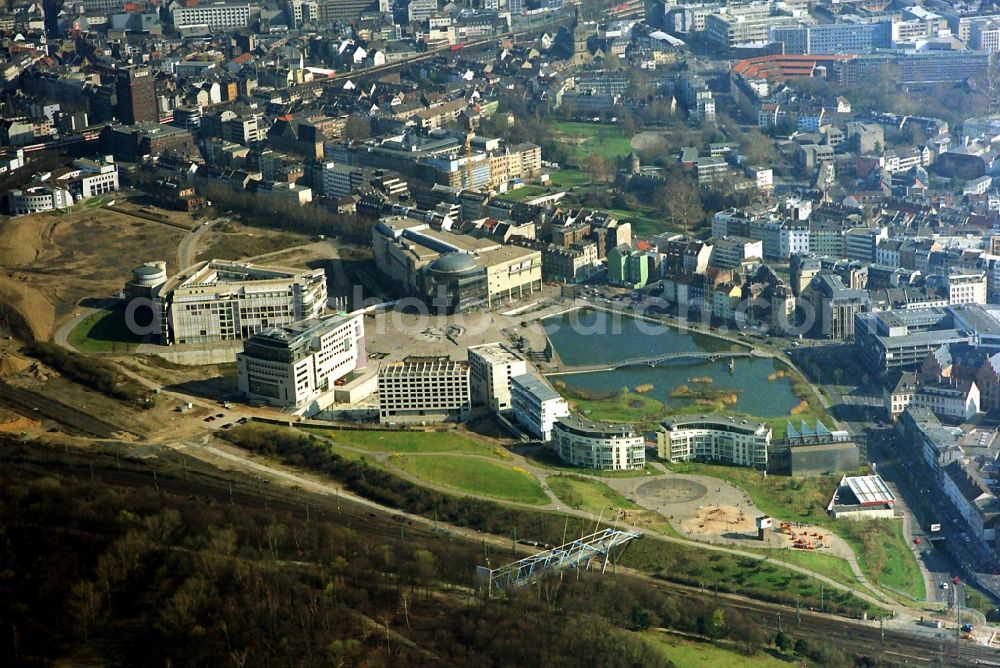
(37, 199)
(298, 365)
(536, 405)
(492, 365)
(596, 445)
(712, 438)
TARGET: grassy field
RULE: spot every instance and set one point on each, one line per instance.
(583, 139)
(730, 573)
(642, 411)
(693, 654)
(568, 178)
(407, 442)
(833, 567)
(103, 332)
(475, 475)
(584, 494)
(883, 554)
(236, 246)
(880, 546)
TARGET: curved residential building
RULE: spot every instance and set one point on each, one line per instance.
(596, 445)
(714, 438)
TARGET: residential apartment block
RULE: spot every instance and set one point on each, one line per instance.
(595, 445)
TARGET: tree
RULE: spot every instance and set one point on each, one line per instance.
(802, 647)
(598, 168)
(681, 200)
(357, 127)
(640, 618)
(782, 642)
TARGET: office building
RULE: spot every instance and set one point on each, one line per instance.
(228, 301)
(596, 445)
(492, 366)
(216, 15)
(453, 272)
(35, 199)
(834, 38)
(536, 405)
(135, 89)
(963, 287)
(424, 389)
(299, 364)
(713, 438)
(902, 339)
(834, 305)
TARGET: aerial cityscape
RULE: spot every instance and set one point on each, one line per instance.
(501, 332)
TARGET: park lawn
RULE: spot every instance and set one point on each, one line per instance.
(694, 654)
(783, 497)
(833, 567)
(605, 140)
(569, 178)
(103, 332)
(721, 572)
(405, 442)
(589, 495)
(474, 475)
(884, 555)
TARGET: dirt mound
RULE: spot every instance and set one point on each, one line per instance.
(15, 422)
(21, 241)
(26, 312)
(11, 365)
(648, 141)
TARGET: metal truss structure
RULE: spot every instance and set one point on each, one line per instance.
(571, 555)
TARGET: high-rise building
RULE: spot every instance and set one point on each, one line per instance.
(493, 365)
(135, 89)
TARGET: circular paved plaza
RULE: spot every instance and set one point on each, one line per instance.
(671, 490)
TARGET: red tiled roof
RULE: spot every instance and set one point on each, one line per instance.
(782, 67)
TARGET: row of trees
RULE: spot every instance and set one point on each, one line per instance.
(97, 374)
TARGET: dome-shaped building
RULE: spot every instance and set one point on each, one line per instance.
(455, 282)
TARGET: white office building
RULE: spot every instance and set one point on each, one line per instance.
(536, 405)
(596, 445)
(712, 438)
(298, 365)
(215, 15)
(492, 365)
(37, 199)
(229, 301)
(965, 287)
(424, 389)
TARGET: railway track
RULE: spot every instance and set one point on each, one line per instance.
(76, 422)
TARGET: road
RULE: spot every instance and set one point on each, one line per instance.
(187, 249)
(952, 551)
